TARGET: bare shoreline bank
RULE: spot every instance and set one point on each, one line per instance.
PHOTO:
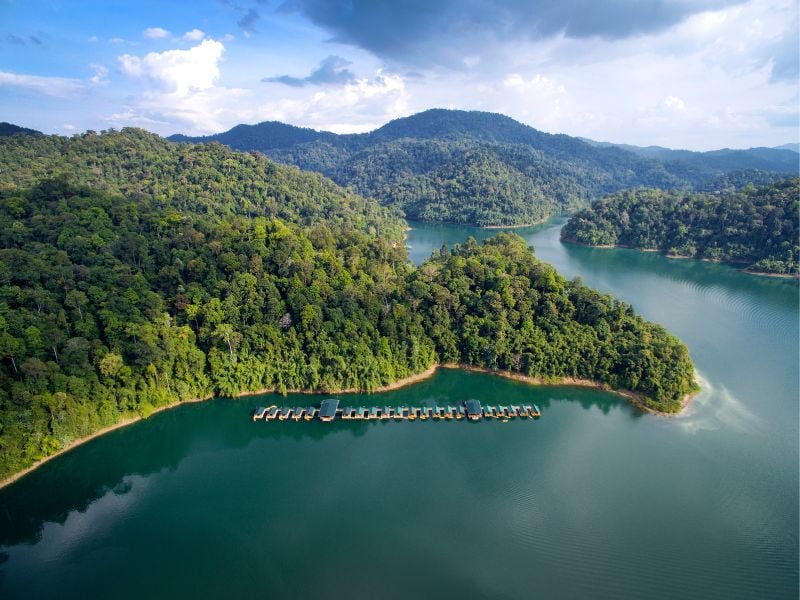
(517, 226)
(136, 418)
(634, 398)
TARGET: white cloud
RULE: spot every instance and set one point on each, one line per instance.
(195, 35)
(707, 82)
(181, 93)
(155, 33)
(359, 106)
(129, 116)
(61, 87)
(177, 71)
(180, 90)
(92, 39)
(675, 104)
(538, 83)
(100, 76)
(471, 61)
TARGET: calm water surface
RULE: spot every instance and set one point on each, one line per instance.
(592, 501)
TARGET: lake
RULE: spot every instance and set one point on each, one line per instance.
(593, 500)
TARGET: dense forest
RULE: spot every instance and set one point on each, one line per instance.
(135, 273)
(496, 306)
(756, 227)
(717, 162)
(483, 168)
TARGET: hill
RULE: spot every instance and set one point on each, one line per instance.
(793, 146)
(136, 273)
(7, 129)
(480, 168)
(717, 162)
(754, 227)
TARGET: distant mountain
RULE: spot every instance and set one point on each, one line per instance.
(482, 168)
(266, 136)
(794, 147)
(716, 162)
(7, 129)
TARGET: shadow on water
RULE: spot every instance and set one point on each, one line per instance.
(73, 481)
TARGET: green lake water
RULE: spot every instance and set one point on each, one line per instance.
(593, 500)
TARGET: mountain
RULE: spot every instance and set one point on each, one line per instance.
(793, 146)
(717, 162)
(479, 168)
(7, 129)
(266, 136)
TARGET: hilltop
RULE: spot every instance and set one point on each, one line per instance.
(485, 168)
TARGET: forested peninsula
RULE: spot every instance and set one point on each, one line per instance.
(755, 227)
(136, 273)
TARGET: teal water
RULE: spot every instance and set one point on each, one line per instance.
(594, 500)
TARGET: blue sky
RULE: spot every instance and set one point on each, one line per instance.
(696, 74)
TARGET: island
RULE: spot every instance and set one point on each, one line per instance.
(756, 227)
(136, 274)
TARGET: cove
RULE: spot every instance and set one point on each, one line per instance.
(594, 500)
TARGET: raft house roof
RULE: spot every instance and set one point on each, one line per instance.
(327, 409)
(473, 408)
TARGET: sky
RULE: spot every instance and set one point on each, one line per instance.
(696, 74)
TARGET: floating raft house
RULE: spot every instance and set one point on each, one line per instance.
(472, 410)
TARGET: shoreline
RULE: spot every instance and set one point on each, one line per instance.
(400, 383)
(534, 224)
(634, 398)
(473, 225)
(665, 253)
(100, 432)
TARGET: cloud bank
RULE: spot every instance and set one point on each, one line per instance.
(429, 33)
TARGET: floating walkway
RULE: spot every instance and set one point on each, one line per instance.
(471, 410)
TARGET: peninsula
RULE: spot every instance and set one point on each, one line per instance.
(136, 273)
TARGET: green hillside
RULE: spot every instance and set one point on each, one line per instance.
(484, 168)
(135, 273)
(755, 227)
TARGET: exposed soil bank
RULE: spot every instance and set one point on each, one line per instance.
(635, 398)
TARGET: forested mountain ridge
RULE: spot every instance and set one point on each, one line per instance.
(714, 162)
(194, 178)
(11, 129)
(757, 227)
(517, 175)
(135, 273)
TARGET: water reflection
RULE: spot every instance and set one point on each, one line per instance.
(200, 500)
(75, 480)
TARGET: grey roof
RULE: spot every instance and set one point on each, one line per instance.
(328, 407)
(473, 407)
